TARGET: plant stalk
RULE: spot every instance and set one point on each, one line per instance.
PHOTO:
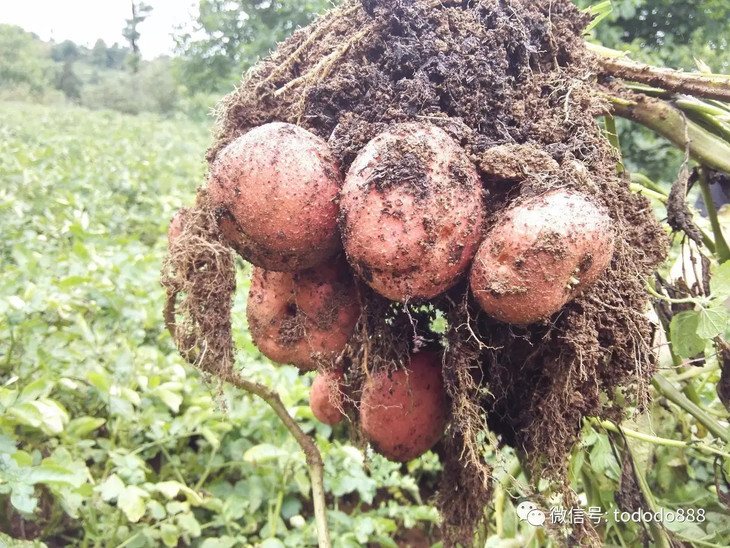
(311, 452)
(721, 249)
(671, 123)
(709, 86)
(668, 390)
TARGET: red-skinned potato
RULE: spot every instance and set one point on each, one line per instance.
(325, 396)
(404, 412)
(276, 187)
(304, 318)
(411, 212)
(177, 223)
(540, 255)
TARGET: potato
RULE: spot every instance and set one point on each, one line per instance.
(303, 318)
(325, 396)
(277, 187)
(404, 413)
(540, 255)
(411, 212)
(177, 223)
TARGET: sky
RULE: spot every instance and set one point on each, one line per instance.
(84, 21)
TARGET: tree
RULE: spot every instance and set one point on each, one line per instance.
(99, 54)
(23, 61)
(68, 82)
(140, 12)
(229, 36)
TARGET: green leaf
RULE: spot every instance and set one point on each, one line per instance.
(264, 452)
(26, 414)
(51, 473)
(720, 282)
(79, 427)
(170, 399)
(111, 488)
(169, 534)
(272, 543)
(131, 502)
(36, 389)
(189, 524)
(101, 381)
(683, 334)
(712, 322)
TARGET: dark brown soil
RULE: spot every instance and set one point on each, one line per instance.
(512, 74)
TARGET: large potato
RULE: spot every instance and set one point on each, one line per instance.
(325, 396)
(540, 254)
(404, 413)
(277, 188)
(303, 318)
(411, 212)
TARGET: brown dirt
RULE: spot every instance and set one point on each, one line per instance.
(490, 73)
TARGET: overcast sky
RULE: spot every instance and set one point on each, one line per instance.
(84, 21)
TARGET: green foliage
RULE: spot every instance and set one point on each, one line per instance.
(23, 60)
(230, 36)
(106, 438)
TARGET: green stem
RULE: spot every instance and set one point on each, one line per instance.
(660, 533)
(655, 440)
(721, 249)
(669, 122)
(639, 189)
(643, 180)
(612, 136)
(668, 390)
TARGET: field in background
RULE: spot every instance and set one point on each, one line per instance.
(106, 438)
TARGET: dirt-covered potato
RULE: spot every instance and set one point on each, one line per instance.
(276, 187)
(404, 413)
(177, 223)
(325, 396)
(411, 212)
(304, 318)
(540, 255)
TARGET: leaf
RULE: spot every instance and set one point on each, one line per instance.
(100, 381)
(131, 502)
(169, 534)
(54, 415)
(683, 334)
(22, 499)
(26, 414)
(272, 543)
(264, 452)
(170, 399)
(720, 282)
(712, 322)
(81, 426)
(36, 389)
(189, 524)
(51, 473)
(111, 488)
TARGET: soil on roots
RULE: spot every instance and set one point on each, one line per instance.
(513, 84)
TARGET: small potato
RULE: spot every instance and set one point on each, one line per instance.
(303, 318)
(404, 413)
(277, 188)
(540, 255)
(177, 223)
(411, 212)
(325, 397)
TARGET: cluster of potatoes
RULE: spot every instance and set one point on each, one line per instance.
(409, 215)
